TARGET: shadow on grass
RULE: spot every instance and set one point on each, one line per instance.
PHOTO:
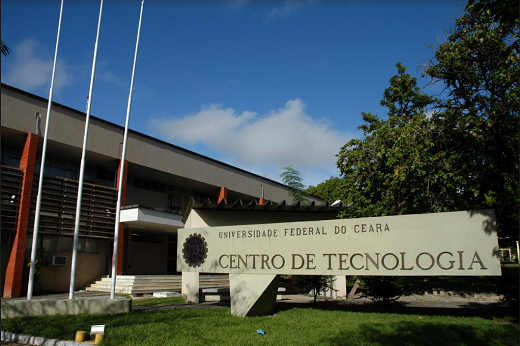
(417, 333)
(180, 306)
(486, 310)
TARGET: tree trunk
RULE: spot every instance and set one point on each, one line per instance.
(354, 289)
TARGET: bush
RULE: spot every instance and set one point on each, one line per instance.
(508, 285)
(383, 289)
(318, 283)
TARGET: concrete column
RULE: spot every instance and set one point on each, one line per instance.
(120, 246)
(253, 294)
(190, 287)
(15, 266)
(223, 194)
(340, 285)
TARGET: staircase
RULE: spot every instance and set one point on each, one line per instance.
(147, 284)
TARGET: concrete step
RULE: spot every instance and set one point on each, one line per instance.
(145, 284)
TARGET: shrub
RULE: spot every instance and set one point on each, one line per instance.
(383, 289)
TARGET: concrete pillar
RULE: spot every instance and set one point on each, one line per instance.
(15, 266)
(340, 285)
(190, 287)
(120, 245)
(253, 294)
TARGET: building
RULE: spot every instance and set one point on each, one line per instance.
(159, 180)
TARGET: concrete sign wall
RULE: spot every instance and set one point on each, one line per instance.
(457, 243)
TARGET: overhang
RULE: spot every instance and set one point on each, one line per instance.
(266, 206)
(150, 218)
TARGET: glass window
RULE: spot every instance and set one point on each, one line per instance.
(65, 244)
(91, 246)
(72, 174)
(50, 243)
(59, 172)
(12, 161)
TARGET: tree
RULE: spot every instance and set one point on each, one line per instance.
(392, 169)
(291, 177)
(383, 289)
(503, 12)
(478, 119)
(459, 151)
(316, 283)
(330, 190)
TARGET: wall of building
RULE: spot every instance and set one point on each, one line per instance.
(89, 267)
(146, 257)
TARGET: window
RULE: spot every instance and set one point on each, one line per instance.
(65, 244)
(12, 161)
(145, 237)
(90, 246)
(106, 175)
(50, 244)
(149, 185)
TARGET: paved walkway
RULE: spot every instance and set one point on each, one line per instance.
(78, 294)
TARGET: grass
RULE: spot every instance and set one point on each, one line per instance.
(157, 301)
(153, 301)
(296, 326)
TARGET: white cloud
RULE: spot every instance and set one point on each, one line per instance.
(262, 144)
(104, 74)
(31, 67)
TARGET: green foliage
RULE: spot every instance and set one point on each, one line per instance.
(393, 169)
(5, 50)
(504, 12)
(316, 283)
(330, 190)
(478, 118)
(383, 289)
(459, 151)
(292, 178)
(508, 286)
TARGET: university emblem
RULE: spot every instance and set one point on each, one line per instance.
(195, 250)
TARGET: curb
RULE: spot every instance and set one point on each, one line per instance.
(37, 340)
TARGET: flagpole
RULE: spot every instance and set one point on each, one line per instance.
(42, 168)
(82, 165)
(122, 164)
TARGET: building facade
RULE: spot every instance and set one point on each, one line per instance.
(159, 181)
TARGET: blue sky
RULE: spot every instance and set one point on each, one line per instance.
(256, 84)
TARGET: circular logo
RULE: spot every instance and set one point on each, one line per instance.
(195, 250)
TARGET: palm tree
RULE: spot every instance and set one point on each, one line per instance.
(5, 49)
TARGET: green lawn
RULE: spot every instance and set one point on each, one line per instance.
(157, 301)
(296, 326)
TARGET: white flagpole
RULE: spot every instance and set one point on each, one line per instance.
(121, 171)
(42, 169)
(82, 166)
